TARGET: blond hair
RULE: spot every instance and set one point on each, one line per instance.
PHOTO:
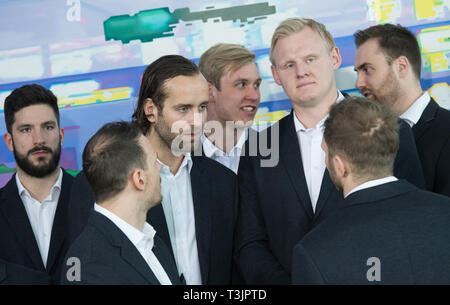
(223, 58)
(294, 25)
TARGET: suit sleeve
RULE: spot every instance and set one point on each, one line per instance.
(304, 270)
(442, 183)
(254, 258)
(407, 163)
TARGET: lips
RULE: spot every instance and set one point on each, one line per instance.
(304, 84)
(40, 151)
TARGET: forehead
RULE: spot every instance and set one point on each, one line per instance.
(369, 50)
(304, 42)
(35, 114)
(186, 89)
(247, 71)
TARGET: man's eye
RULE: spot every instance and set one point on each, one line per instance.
(182, 109)
(203, 107)
(25, 130)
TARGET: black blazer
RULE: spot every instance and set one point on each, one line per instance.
(432, 135)
(108, 257)
(215, 197)
(275, 206)
(18, 245)
(405, 228)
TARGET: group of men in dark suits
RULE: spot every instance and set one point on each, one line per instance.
(239, 221)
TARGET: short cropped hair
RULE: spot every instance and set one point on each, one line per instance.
(294, 25)
(223, 58)
(394, 41)
(25, 96)
(365, 133)
(153, 84)
(110, 156)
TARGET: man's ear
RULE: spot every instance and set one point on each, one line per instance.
(212, 90)
(402, 66)
(342, 166)
(150, 110)
(276, 78)
(138, 179)
(7, 137)
(336, 58)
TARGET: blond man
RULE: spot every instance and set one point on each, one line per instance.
(234, 96)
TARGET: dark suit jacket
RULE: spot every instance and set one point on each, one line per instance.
(405, 228)
(18, 245)
(275, 206)
(108, 257)
(215, 197)
(432, 135)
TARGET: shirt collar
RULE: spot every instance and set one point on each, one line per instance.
(299, 126)
(134, 235)
(187, 162)
(212, 150)
(414, 112)
(56, 188)
(372, 183)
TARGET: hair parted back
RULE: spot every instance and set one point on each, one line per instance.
(223, 58)
(110, 156)
(394, 41)
(294, 25)
(25, 96)
(153, 84)
(365, 133)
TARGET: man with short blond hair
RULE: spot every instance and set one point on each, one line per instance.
(280, 204)
(233, 82)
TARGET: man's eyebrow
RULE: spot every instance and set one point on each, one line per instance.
(361, 66)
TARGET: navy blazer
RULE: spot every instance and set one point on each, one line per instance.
(432, 135)
(108, 257)
(18, 245)
(393, 230)
(215, 198)
(275, 206)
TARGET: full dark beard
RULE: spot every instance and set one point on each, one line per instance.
(38, 171)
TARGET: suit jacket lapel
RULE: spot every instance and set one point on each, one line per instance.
(202, 199)
(15, 214)
(128, 251)
(60, 229)
(166, 260)
(427, 116)
(292, 160)
(325, 190)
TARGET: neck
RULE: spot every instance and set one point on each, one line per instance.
(310, 116)
(164, 152)
(406, 98)
(39, 188)
(128, 208)
(230, 136)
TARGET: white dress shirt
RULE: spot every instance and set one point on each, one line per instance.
(142, 240)
(230, 160)
(372, 183)
(313, 157)
(178, 209)
(41, 215)
(414, 112)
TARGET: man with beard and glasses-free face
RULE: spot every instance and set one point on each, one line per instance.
(388, 63)
(233, 81)
(387, 231)
(198, 210)
(33, 205)
(196, 217)
(281, 203)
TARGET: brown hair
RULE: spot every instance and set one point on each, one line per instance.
(394, 41)
(365, 133)
(223, 58)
